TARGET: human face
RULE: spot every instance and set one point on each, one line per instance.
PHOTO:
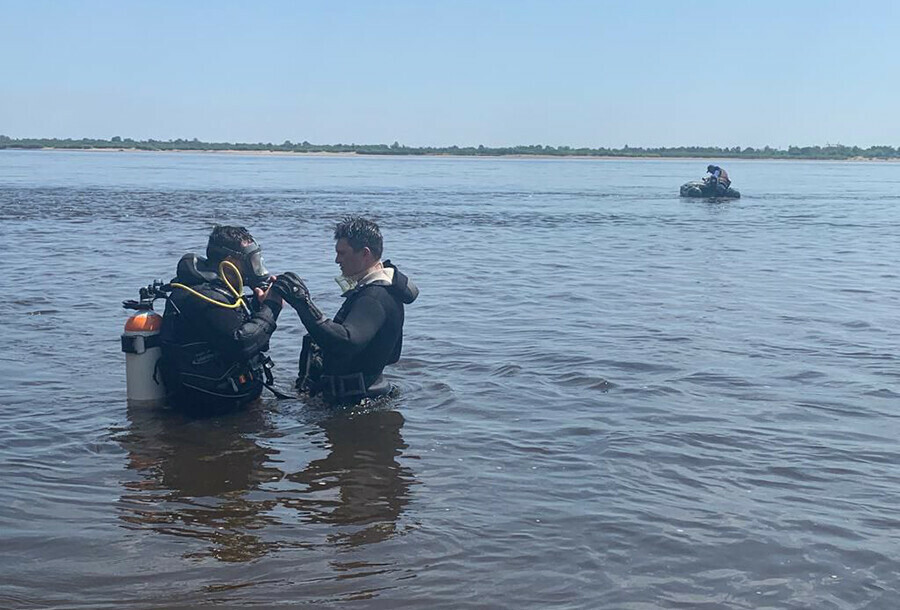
(352, 262)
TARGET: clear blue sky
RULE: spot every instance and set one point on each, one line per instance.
(592, 73)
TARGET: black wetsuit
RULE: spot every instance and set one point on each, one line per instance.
(365, 336)
(213, 357)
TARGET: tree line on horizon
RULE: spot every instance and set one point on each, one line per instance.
(831, 151)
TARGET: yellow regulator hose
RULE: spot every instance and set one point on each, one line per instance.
(237, 292)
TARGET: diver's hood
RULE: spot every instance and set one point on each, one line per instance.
(193, 270)
(401, 286)
(251, 259)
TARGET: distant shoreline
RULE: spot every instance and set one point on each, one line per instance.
(440, 155)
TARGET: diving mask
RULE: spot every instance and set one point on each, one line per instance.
(252, 266)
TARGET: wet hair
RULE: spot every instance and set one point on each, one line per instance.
(230, 237)
(711, 168)
(360, 233)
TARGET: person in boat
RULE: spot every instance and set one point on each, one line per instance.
(342, 359)
(718, 179)
(214, 340)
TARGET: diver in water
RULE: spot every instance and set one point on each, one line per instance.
(213, 341)
(718, 180)
(343, 359)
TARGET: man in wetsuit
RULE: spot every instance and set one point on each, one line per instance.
(718, 181)
(343, 359)
(213, 342)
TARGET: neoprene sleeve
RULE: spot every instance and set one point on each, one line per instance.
(236, 337)
(353, 334)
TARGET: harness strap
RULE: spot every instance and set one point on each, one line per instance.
(354, 385)
(137, 344)
(278, 393)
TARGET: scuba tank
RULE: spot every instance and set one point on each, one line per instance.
(143, 349)
(142, 339)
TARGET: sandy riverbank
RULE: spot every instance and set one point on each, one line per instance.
(286, 153)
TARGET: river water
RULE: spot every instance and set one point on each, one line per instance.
(610, 397)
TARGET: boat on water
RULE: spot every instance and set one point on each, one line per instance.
(706, 189)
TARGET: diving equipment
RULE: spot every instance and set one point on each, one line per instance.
(294, 291)
(343, 359)
(149, 366)
(143, 350)
(253, 267)
(345, 283)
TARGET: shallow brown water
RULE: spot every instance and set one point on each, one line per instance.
(610, 397)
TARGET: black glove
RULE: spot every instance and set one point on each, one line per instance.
(291, 288)
(294, 291)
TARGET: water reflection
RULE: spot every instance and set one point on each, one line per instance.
(207, 480)
(196, 475)
(360, 486)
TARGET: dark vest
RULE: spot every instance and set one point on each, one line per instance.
(197, 375)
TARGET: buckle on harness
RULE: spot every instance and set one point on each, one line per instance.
(343, 386)
(267, 366)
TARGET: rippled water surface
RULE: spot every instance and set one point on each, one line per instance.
(610, 397)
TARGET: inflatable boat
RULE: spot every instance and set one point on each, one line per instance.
(701, 188)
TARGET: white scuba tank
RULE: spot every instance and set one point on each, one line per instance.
(141, 344)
